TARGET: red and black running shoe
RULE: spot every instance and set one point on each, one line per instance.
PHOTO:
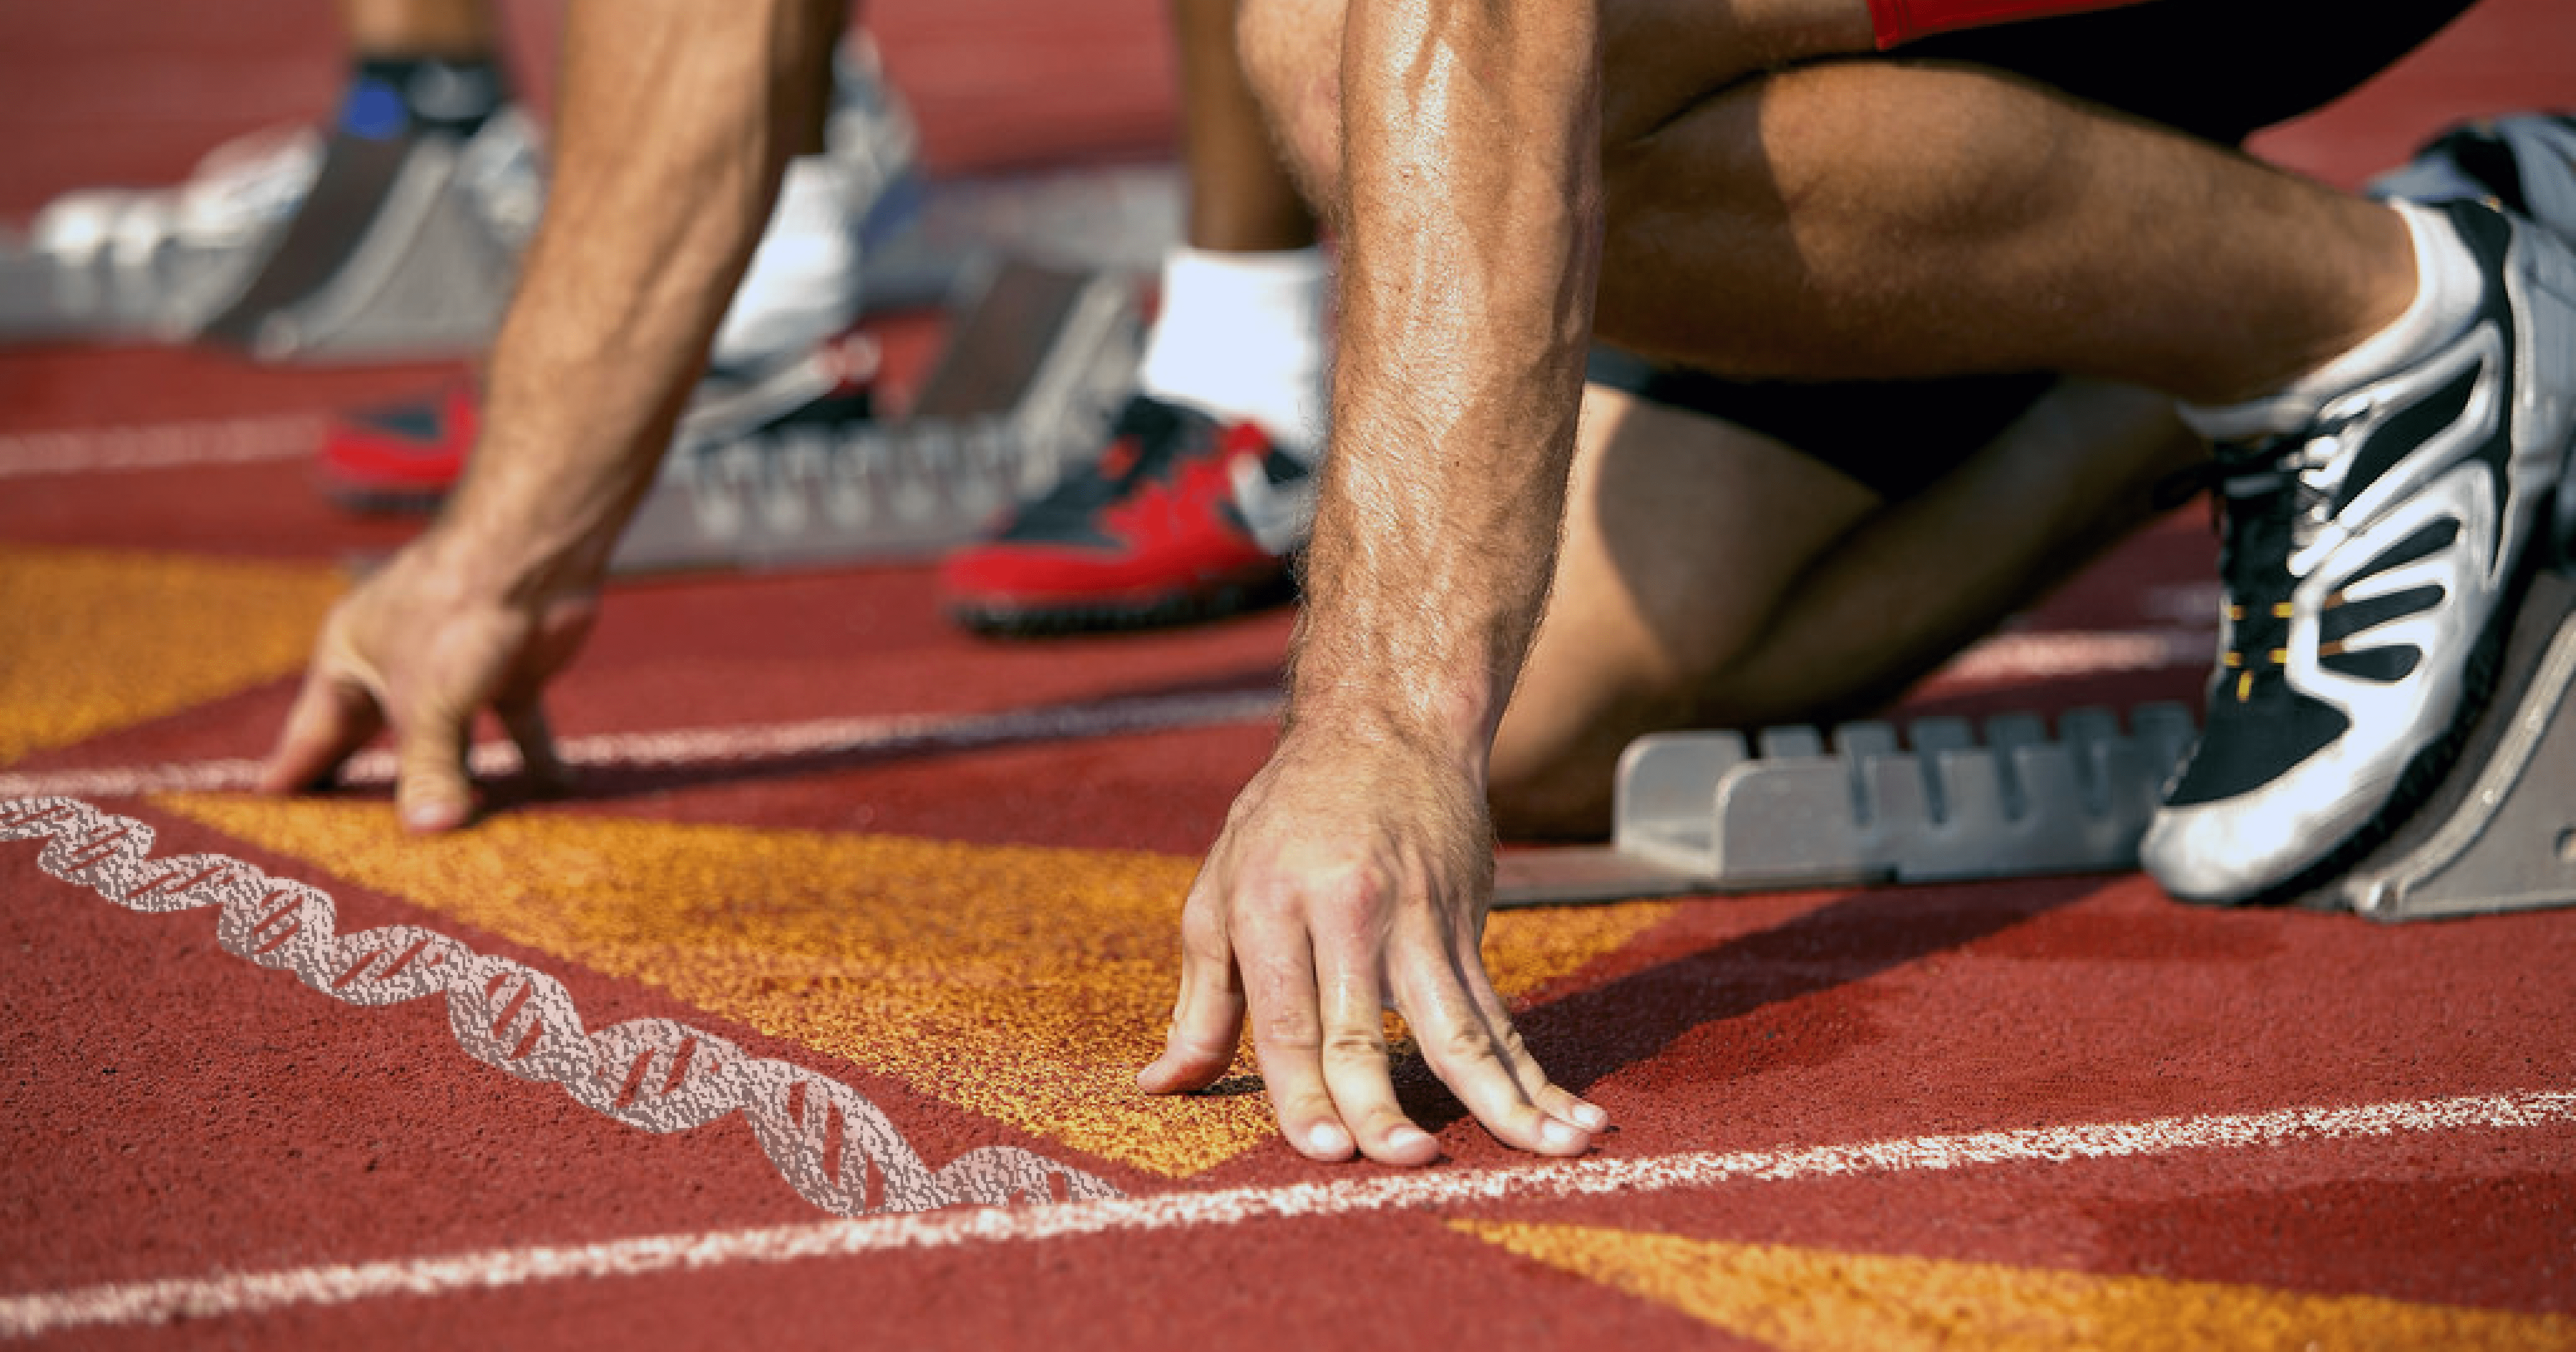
(399, 457)
(1181, 519)
(407, 457)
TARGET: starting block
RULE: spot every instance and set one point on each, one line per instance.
(1701, 812)
(2499, 834)
(408, 250)
(402, 248)
(1036, 366)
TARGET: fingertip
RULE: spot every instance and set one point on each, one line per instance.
(1327, 1142)
(1408, 1145)
(1562, 1138)
(1159, 1076)
(1178, 1072)
(434, 815)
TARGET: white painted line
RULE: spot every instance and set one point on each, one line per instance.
(492, 1269)
(2003, 658)
(2063, 653)
(219, 441)
(708, 747)
(837, 1149)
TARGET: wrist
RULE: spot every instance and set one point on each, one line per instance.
(1429, 722)
(483, 549)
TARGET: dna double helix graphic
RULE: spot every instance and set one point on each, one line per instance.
(830, 1144)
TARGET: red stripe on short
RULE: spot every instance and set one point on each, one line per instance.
(1897, 21)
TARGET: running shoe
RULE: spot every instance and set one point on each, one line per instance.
(1182, 518)
(2371, 563)
(407, 457)
(2526, 163)
(402, 457)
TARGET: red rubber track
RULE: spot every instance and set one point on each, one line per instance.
(175, 1113)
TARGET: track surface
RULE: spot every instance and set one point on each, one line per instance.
(937, 877)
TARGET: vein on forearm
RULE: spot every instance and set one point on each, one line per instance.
(1470, 234)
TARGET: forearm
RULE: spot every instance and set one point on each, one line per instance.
(676, 120)
(1472, 191)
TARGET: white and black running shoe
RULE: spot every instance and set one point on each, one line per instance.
(2371, 561)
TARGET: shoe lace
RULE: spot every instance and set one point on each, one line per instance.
(2270, 497)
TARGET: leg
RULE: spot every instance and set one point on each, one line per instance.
(1241, 199)
(1881, 218)
(1225, 412)
(1710, 577)
(452, 29)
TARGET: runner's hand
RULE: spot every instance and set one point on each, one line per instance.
(1350, 878)
(420, 649)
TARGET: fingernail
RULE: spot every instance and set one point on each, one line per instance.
(1558, 1135)
(1328, 1139)
(1406, 1138)
(1590, 1117)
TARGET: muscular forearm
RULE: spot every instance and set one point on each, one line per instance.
(1472, 190)
(676, 120)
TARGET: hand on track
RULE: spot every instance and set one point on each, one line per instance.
(1350, 878)
(417, 648)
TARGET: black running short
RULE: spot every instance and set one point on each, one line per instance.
(2218, 69)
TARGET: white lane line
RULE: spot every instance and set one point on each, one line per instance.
(216, 441)
(708, 747)
(493, 1269)
(2003, 658)
(2060, 654)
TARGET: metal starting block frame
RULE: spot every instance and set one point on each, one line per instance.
(403, 249)
(1035, 368)
(406, 261)
(1700, 812)
(2499, 834)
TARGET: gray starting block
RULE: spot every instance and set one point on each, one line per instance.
(2499, 834)
(1700, 812)
(402, 248)
(400, 252)
(1033, 371)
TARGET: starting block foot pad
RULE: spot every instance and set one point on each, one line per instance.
(401, 248)
(2499, 834)
(1700, 812)
(1039, 360)
(393, 257)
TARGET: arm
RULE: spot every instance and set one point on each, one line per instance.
(1357, 867)
(676, 122)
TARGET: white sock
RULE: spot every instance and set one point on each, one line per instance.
(2447, 289)
(1241, 335)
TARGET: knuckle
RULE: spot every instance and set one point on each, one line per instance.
(1467, 1042)
(1356, 1045)
(1286, 1033)
(1308, 1105)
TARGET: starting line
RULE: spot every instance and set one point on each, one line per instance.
(706, 747)
(1995, 661)
(216, 441)
(224, 1294)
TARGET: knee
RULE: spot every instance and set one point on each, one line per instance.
(1292, 55)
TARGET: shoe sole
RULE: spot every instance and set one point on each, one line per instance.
(1001, 619)
(385, 501)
